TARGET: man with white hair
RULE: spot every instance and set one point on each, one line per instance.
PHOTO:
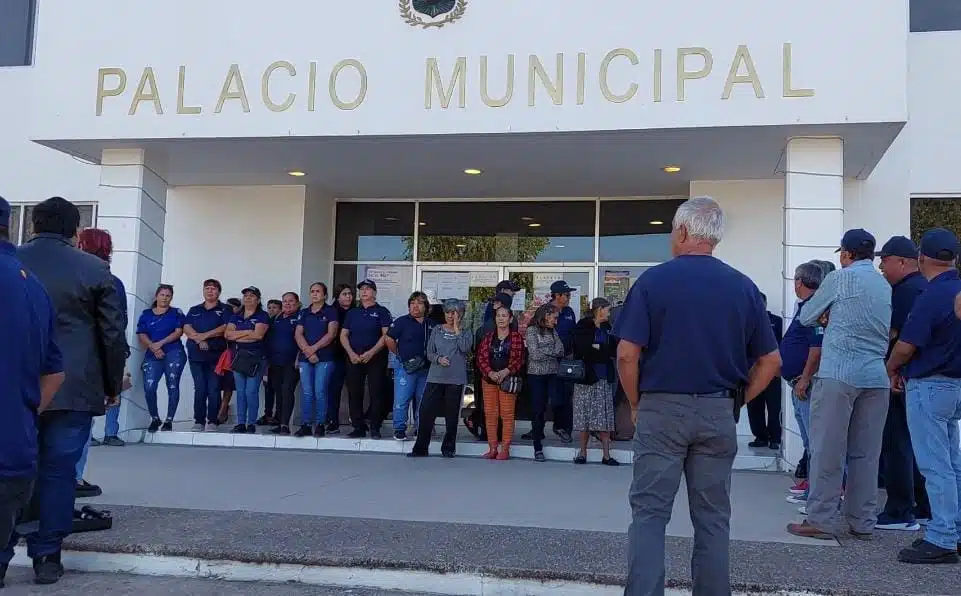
(688, 329)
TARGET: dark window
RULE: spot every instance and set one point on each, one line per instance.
(16, 32)
(507, 231)
(374, 232)
(934, 213)
(636, 230)
(935, 15)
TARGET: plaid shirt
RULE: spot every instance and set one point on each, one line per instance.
(515, 361)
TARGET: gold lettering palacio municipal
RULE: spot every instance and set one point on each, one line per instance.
(560, 79)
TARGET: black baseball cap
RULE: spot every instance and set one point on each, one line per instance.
(235, 302)
(899, 246)
(856, 240)
(5, 211)
(561, 287)
(251, 290)
(507, 284)
(506, 300)
(940, 244)
(367, 283)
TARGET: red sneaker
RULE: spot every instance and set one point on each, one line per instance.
(800, 487)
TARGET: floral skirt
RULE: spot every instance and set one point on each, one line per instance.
(594, 407)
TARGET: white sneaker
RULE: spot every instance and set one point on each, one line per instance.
(803, 509)
(796, 499)
(198, 428)
(211, 427)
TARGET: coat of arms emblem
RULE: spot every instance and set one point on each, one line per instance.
(431, 13)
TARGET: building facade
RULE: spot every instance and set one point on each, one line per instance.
(447, 145)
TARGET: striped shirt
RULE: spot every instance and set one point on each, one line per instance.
(858, 300)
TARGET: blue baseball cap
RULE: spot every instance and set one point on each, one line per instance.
(857, 239)
(899, 246)
(5, 211)
(561, 287)
(940, 244)
(368, 284)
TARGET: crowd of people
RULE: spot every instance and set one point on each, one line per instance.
(873, 361)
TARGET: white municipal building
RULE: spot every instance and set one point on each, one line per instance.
(448, 144)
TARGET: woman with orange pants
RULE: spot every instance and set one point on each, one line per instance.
(500, 358)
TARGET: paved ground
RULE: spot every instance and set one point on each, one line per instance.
(20, 583)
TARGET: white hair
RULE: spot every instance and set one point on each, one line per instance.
(702, 218)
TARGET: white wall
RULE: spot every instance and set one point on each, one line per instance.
(318, 259)
(881, 204)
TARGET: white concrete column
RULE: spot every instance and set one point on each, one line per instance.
(132, 207)
(813, 226)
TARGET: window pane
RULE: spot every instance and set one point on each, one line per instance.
(14, 224)
(374, 232)
(504, 231)
(86, 216)
(636, 230)
(16, 32)
(536, 288)
(393, 283)
(935, 15)
(613, 282)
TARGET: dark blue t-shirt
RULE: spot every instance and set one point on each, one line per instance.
(241, 323)
(797, 342)
(699, 322)
(411, 336)
(202, 320)
(316, 325)
(566, 321)
(281, 346)
(603, 370)
(903, 295)
(156, 327)
(934, 330)
(27, 352)
(366, 326)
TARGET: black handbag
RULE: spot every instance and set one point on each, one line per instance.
(570, 369)
(415, 364)
(246, 363)
(512, 384)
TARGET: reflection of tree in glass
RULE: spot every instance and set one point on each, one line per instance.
(477, 249)
(933, 213)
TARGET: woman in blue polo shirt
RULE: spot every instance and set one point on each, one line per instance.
(204, 328)
(316, 336)
(247, 328)
(343, 302)
(282, 360)
(159, 329)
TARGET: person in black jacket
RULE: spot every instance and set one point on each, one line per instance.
(767, 431)
(90, 331)
(593, 400)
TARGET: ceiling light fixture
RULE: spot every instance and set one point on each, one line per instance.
(461, 245)
(390, 219)
(533, 225)
(423, 223)
(473, 172)
(527, 219)
(672, 169)
(296, 173)
(657, 222)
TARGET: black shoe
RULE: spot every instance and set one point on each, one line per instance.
(757, 443)
(563, 435)
(113, 442)
(610, 461)
(263, 421)
(775, 445)
(358, 433)
(528, 436)
(539, 456)
(580, 459)
(447, 454)
(319, 431)
(47, 570)
(284, 430)
(417, 454)
(375, 432)
(239, 429)
(167, 426)
(154, 425)
(303, 431)
(275, 430)
(922, 552)
(400, 435)
(333, 428)
(801, 472)
(251, 429)
(85, 490)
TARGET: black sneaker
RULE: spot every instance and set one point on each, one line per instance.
(303, 431)
(85, 490)
(417, 454)
(563, 435)
(922, 552)
(400, 435)
(375, 433)
(168, 426)
(284, 430)
(154, 425)
(113, 442)
(528, 436)
(774, 445)
(333, 428)
(251, 429)
(319, 431)
(757, 443)
(610, 461)
(539, 456)
(447, 454)
(240, 428)
(357, 433)
(47, 570)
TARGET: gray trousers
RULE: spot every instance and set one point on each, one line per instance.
(847, 424)
(14, 495)
(694, 436)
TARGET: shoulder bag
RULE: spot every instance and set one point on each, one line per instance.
(512, 384)
(570, 369)
(246, 363)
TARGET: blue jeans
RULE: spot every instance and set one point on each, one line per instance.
(314, 384)
(934, 411)
(206, 392)
(802, 413)
(335, 389)
(112, 423)
(248, 395)
(170, 368)
(62, 435)
(82, 462)
(407, 387)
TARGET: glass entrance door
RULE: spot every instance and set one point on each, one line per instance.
(472, 284)
(535, 286)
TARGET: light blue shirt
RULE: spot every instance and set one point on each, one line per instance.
(856, 338)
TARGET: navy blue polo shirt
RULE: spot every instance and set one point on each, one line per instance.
(366, 326)
(204, 319)
(566, 321)
(934, 330)
(797, 342)
(156, 327)
(248, 324)
(411, 336)
(316, 325)
(903, 295)
(281, 346)
(27, 352)
(699, 322)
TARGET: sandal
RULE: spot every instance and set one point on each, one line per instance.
(580, 459)
(491, 453)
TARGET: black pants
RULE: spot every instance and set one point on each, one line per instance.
(282, 380)
(271, 404)
(14, 495)
(764, 413)
(898, 467)
(375, 373)
(439, 398)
